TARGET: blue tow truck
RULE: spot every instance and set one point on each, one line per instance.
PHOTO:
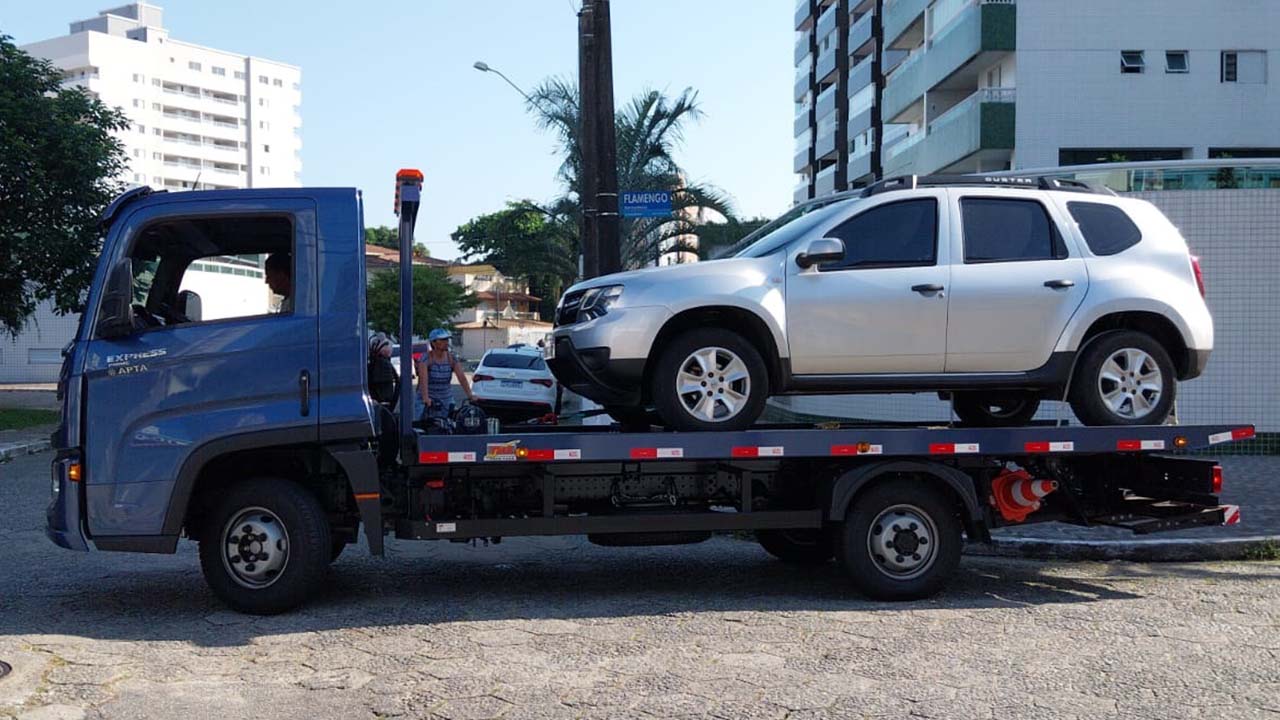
(247, 426)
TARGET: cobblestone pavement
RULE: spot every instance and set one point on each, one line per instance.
(557, 628)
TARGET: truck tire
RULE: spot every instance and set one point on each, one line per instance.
(980, 409)
(709, 379)
(1123, 378)
(900, 541)
(264, 577)
(797, 546)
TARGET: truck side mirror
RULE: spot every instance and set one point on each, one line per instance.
(190, 306)
(820, 251)
(115, 319)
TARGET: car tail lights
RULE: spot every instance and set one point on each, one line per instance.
(1195, 268)
(480, 377)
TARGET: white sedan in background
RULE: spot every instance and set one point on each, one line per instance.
(514, 383)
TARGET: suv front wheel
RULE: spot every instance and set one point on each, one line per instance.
(710, 379)
(1123, 378)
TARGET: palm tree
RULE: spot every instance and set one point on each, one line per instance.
(649, 129)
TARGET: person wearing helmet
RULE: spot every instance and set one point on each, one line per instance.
(434, 369)
(382, 376)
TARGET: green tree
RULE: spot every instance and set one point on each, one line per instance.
(649, 130)
(525, 241)
(716, 238)
(436, 299)
(58, 169)
(389, 237)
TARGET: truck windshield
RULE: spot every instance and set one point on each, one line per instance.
(790, 225)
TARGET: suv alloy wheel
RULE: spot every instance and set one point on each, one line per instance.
(710, 379)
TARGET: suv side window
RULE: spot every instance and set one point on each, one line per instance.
(1106, 228)
(900, 234)
(1008, 230)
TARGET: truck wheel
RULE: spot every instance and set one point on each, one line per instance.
(797, 546)
(266, 546)
(709, 379)
(900, 541)
(995, 409)
(1123, 378)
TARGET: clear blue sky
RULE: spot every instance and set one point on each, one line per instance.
(390, 84)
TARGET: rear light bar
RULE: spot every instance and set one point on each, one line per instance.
(1195, 268)
(479, 377)
(544, 382)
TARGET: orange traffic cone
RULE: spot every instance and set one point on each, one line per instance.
(1016, 494)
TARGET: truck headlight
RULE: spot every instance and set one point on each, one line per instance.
(597, 301)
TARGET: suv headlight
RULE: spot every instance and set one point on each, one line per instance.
(596, 302)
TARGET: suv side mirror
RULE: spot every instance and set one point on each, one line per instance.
(820, 251)
(190, 306)
(115, 319)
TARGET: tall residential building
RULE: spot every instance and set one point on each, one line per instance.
(892, 87)
(220, 118)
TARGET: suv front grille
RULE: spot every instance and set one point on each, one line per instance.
(568, 313)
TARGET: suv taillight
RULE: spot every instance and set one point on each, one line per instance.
(1195, 268)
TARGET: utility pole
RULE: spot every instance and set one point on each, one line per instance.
(601, 253)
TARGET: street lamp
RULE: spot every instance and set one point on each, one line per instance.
(482, 66)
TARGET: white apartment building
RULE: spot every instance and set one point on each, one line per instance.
(201, 119)
(219, 118)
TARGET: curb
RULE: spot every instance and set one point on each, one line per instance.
(9, 451)
(1171, 550)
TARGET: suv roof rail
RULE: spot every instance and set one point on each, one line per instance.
(1038, 182)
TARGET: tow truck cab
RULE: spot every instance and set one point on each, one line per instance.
(169, 385)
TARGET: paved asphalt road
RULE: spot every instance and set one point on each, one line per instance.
(555, 627)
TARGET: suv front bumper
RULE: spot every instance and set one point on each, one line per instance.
(591, 373)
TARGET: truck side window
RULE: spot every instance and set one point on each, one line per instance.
(193, 269)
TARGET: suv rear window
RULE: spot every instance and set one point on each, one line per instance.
(1106, 228)
(1004, 230)
(514, 361)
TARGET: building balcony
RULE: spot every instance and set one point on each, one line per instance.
(860, 169)
(801, 122)
(860, 34)
(973, 39)
(826, 103)
(975, 134)
(860, 75)
(824, 183)
(859, 123)
(801, 88)
(825, 144)
(804, 18)
(800, 192)
(827, 21)
(802, 46)
(901, 16)
(826, 65)
(800, 162)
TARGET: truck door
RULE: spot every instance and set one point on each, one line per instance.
(223, 347)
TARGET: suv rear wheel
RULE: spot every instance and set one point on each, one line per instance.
(995, 409)
(709, 379)
(1123, 378)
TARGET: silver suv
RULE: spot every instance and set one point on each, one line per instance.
(996, 292)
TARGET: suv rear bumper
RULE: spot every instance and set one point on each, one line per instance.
(1196, 362)
(593, 374)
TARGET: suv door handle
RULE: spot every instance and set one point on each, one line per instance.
(1059, 284)
(304, 392)
(926, 288)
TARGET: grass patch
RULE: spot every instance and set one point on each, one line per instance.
(19, 418)
(1265, 550)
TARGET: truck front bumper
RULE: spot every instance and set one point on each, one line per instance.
(63, 516)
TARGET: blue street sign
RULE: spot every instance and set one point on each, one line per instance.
(646, 204)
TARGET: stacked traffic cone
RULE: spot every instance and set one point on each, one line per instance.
(1016, 494)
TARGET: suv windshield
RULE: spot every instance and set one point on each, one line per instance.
(790, 225)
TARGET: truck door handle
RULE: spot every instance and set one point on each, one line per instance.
(1059, 284)
(927, 288)
(304, 392)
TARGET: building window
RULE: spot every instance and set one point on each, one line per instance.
(262, 79)
(218, 71)
(155, 81)
(1131, 61)
(266, 148)
(264, 170)
(1244, 66)
(142, 128)
(155, 156)
(277, 82)
(137, 153)
(239, 75)
(1175, 61)
(139, 177)
(155, 106)
(138, 103)
(138, 78)
(193, 66)
(264, 125)
(297, 86)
